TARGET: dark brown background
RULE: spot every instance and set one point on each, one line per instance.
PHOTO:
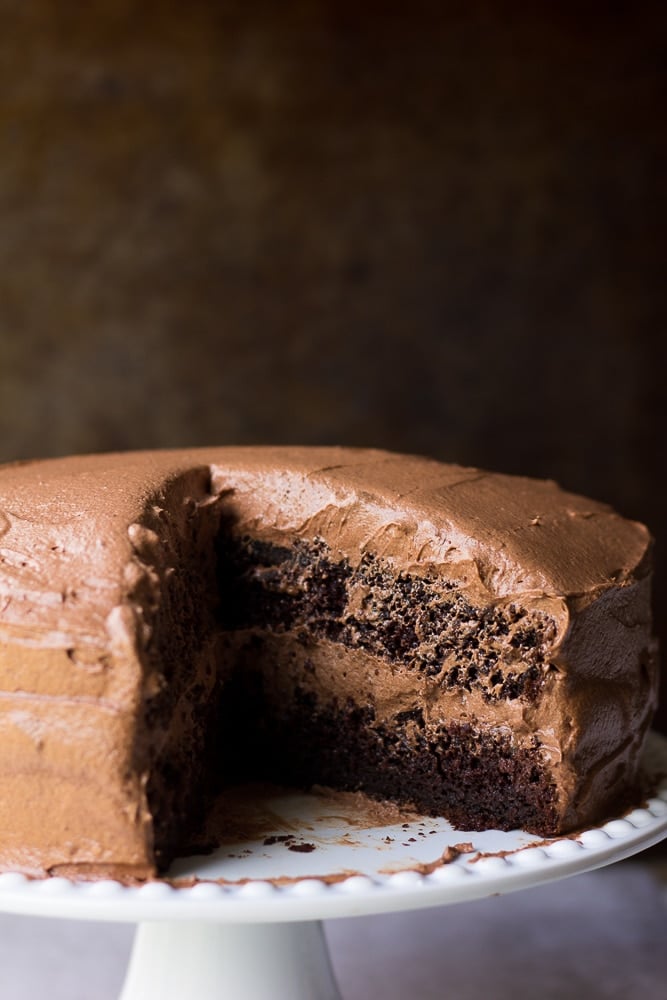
(435, 227)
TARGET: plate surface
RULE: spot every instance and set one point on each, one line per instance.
(312, 856)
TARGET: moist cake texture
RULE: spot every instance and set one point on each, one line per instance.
(472, 644)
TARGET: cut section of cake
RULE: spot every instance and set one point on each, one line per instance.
(474, 645)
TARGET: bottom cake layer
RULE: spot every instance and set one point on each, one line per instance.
(477, 779)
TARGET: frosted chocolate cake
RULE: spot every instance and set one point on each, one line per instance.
(475, 645)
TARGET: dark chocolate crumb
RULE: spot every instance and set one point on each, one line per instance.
(278, 838)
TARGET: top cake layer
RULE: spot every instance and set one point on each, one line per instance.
(69, 527)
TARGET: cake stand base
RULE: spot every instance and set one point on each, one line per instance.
(214, 961)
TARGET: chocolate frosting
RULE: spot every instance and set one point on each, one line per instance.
(75, 547)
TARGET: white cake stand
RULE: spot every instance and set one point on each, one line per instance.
(256, 934)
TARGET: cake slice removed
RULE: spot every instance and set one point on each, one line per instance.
(475, 645)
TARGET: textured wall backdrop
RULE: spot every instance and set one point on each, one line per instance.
(435, 227)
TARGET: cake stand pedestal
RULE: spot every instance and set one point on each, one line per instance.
(244, 923)
(208, 961)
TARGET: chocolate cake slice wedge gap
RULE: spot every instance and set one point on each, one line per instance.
(475, 645)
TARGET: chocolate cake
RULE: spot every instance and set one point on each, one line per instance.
(475, 645)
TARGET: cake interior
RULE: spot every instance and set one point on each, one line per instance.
(280, 662)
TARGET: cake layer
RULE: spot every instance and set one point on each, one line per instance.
(460, 631)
